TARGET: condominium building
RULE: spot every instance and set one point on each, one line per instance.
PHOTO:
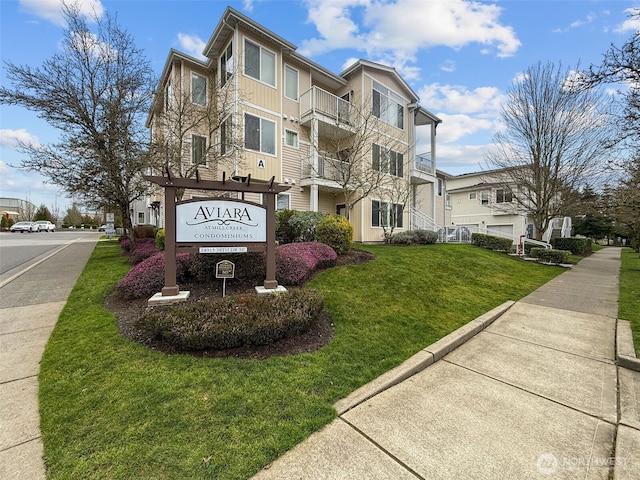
(345, 143)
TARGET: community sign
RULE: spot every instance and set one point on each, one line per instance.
(220, 221)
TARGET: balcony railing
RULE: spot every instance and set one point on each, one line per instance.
(318, 101)
(328, 169)
(424, 164)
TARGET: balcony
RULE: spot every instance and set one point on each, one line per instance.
(423, 170)
(328, 175)
(332, 112)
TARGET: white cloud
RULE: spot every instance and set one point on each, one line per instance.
(630, 24)
(51, 10)
(457, 126)
(191, 44)
(399, 29)
(459, 99)
(11, 138)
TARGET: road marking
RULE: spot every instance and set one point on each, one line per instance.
(33, 265)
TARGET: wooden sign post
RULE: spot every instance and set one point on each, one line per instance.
(218, 225)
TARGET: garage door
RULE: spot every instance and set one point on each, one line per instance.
(500, 230)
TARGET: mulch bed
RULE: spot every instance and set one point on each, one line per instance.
(127, 312)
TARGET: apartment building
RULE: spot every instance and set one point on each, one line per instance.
(345, 143)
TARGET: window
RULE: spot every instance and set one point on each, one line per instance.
(259, 134)
(283, 201)
(388, 106)
(387, 161)
(141, 218)
(198, 150)
(384, 214)
(226, 64)
(290, 83)
(472, 195)
(198, 89)
(291, 138)
(504, 195)
(226, 130)
(259, 63)
(484, 198)
(168, 96)
(440, 187)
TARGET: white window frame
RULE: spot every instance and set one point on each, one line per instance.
(295, 136)
(228, 62)
(281, 200)
(204, 155)
(260, 132)
(386, 159)
(287, 84)
(195, 76)
(505, 193)
(473, 196)
(384, 214)
(261, 53)
(388, 98)
(141, 214)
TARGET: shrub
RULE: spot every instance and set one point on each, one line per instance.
(285, 233)
(577, 246)
(295, 262)
(337, 232)
(304, 224)
(492, 242)
(144, 231)
(147, 278)
(550, 255)
(145, 247)
(250, 267)
(235, 321)
(125, 243)
(415, 237)
(160, 239)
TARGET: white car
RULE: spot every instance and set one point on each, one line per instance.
(46, 226)
(24, 227)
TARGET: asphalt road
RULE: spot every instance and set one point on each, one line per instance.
(20, 251)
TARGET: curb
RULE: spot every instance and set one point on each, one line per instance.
(421, 360)
(625, 352)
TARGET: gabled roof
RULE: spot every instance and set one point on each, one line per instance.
(378, 66)
(231, 19)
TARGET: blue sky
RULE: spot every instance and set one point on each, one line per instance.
(459, 56)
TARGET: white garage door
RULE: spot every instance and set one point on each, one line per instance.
(500, 230)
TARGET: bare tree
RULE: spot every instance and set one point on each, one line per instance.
(96, 91)
(394, 192)
(622, 65)
(552, 142)
(179, 117)
(353, 152)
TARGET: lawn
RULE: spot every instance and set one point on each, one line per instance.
(629, 301)
(111, 408)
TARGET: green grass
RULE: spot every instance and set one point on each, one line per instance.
(111, 408)
(629, 301)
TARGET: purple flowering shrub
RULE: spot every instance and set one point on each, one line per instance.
(145, 248)
(147, 277)
(295, 262)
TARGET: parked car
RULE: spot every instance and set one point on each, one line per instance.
(24, 227)
(102, 228)
(46, 226)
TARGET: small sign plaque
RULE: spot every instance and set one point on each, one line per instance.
(225, 269)
(222, 250)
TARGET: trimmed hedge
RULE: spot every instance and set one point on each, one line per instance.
(160, 234)
(295, 262)
(144, 231)
(337, 232)
(145, 248)
(577, 246)
(550, 255)
(235, 321)
(492, 242)
(250, 267)
(415, 237)
(147, 278)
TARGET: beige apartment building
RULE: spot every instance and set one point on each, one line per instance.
(345, 143)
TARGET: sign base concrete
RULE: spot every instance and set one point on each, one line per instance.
(158, 299)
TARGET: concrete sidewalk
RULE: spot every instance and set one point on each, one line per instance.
(527, 391)
(30, 304)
